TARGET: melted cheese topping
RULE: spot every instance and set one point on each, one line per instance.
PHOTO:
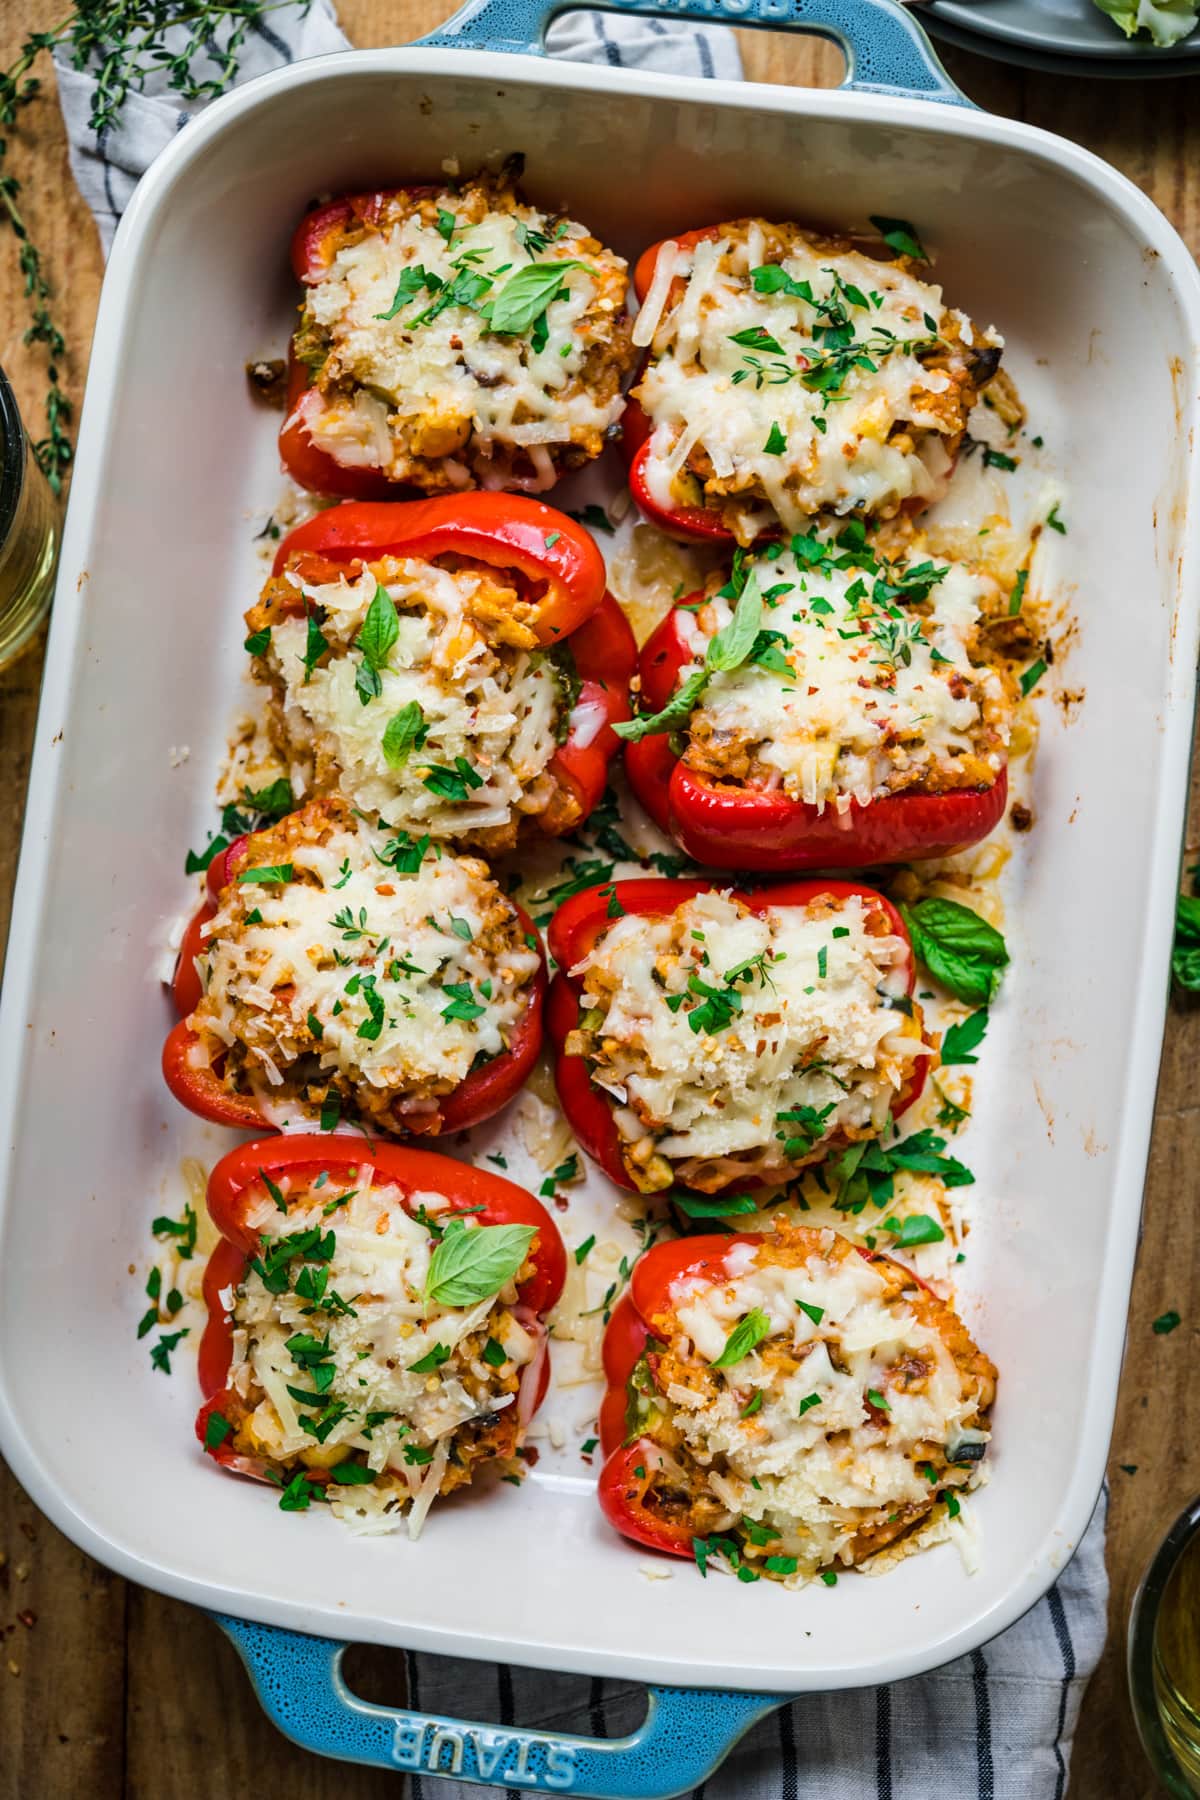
(375, 1323)
(713, 1022)
(858, 1406)
(865, 693)
(496, 706)
(393, 986)
(836, 395)
(404, 392)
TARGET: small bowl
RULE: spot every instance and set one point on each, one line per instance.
(29, 533)
(1169, 1728)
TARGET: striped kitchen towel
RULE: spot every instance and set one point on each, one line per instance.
(996, 1725)
(106, 164)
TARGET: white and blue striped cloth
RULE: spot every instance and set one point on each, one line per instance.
(996, 1725)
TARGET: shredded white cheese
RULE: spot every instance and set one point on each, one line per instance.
(372, 1324)
(752, 363)
(862, 1398)
(497, 707)
(716, 1021)
(855, 693)
(396, 983)
(431, 383)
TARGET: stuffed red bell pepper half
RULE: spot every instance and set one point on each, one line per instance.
(788, 1403)
(344, 973)
(789, 373)
(454, 664)
(712, 1038)
(451, 337)
(376, 1324)
(828, 706)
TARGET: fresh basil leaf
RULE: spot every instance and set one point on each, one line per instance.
(677, 711)
(315, 646)
(960, 949)
(1185, 957)
(473, 1264)
(900, 236)
(274, 876)
(406, 731)
(730, 647)
(380, 629)
(962, 1038)
(527, 294)
(742, 1339)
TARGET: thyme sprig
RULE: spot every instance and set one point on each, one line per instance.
(123, 43)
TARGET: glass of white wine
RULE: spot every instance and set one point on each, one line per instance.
(29, 529)
(1164, 1657)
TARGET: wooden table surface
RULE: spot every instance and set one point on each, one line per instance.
(107, 1690)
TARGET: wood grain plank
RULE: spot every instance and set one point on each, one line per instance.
(184, 1706)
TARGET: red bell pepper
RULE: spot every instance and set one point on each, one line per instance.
(196, 1082)
(628, 1487)
(692, 523)
(572, 935)
(731, 827)
(312, 251)
(237, 1183)
(558, 569)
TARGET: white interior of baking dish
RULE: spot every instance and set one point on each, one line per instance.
(1099, 309)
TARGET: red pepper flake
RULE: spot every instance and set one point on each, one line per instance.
(28, 1619)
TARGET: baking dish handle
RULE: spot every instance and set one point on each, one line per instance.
(686, 1733)
(886, 50)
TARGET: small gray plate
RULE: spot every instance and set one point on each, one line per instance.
(1057, 36)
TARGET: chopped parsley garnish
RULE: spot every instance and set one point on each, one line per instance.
(160, 1355)
(776, 442)
(807, 1404)
(315, 646)
(276, 1192)
(275, 875)
(182, 1230)
(216, 1429)
(494, 1354)
(566, 1171)
(963, 1038)
(996, 459)
(1032, 675)
(596, 519)
(1166, 1322)
(1054, 522)
(434, 1359)
(452, 784)
(1018, 593)
(581, 1250)
(815, 1313)
(899, 236)
(258, 641)
(461, 1006)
